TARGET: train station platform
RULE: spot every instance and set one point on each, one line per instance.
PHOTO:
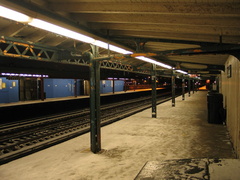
(19, 103)
(179, 135)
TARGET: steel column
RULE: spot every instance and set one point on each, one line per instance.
(113, 88)
(183, 89)
(42, 88)
(193, 86)
(125, 86)
(217, 82)
(95, 129)
(154, 92)
(173, 89)
(189, 87)
(75, 87)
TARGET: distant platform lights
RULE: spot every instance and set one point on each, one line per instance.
(24, 75)
(38, 23)
(195, 76)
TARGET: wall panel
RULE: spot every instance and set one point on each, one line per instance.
(230, 88)
(9, 90)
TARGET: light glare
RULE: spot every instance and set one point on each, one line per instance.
(13, 15)
(111, 47)
(154, 62)
(180, 71)
(60, 30)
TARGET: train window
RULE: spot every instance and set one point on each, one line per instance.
(4, 85)
(14, 84)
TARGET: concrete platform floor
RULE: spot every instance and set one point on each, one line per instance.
(179, 132)
(201, 169)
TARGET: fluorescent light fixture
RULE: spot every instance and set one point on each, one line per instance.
(146, 59)
(74, 35)
(153, 62)
(163, 65)
(60, 30)
(13, 15)
(119, 50)
(180, 71)
(101, 44)
(111, 47)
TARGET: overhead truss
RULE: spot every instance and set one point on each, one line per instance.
(18, 49)
(12, 47)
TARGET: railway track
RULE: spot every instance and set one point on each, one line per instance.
(25, 137)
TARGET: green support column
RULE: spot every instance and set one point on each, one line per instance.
(95, 128)
(154, 92)
(125, 86)
(217, 82)
(183, 89)
(173, 89)
(113, 87)
(42, 89)
(75, 87)
(189, 87)
(193, 86)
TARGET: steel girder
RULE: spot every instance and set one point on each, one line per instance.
(16, 48)
(19, 49)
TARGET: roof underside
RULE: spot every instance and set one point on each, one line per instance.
(210, 29)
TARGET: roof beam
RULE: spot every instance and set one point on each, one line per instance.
(143, 7)
(178, 41)
(36, 36)
(168, 28)
(193, 65)
(12, 29)
(214, 49)
(213, 59)
(54, 41)
(168, 35)
(177, 19)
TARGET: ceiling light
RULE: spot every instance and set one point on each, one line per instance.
(146, 59)
(74, 35)
(163, 65)
(111, 47)
(180, 71)
(13, 15)
(154, 62)
(119, 50)
(60, 30)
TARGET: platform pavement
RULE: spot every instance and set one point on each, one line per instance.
(180, 132)
(67, 98)
(203, 169)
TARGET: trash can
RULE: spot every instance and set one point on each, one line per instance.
(215, 108)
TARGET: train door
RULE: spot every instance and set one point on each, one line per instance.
(13, 91)
(28, 89)
(81, 84)
(86, 87)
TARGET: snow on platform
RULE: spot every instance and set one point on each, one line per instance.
(174, 169)
(179, 132)
(205, 169)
